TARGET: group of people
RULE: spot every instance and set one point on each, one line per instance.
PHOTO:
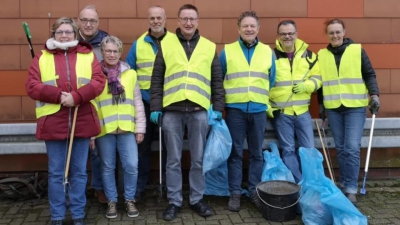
(176, 76)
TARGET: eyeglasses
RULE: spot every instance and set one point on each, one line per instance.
(192, 20)
(110, 52)
(91, 21)
(62, 32)
(337, 32)
(288, 34)
(158, 18)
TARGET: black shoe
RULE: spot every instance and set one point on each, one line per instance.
(255, 200)
(56, 222)
(234, 203)
(139, 196)
(79, 222)
(202, 209)
(170, 213)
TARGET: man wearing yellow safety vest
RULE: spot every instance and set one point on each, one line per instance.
(186, 76)
(248, 67)
(141, 58)
(297, 77)
(348, 77)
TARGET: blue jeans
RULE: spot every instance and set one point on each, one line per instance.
(77, 177)
(144, 151)
(347, 127)
(125, 144)
(95, 162)
(287, 127)
(240, 125)
(173, 125)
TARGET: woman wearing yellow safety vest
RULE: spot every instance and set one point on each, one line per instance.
(347, 79)
(123, 125)
(65, 75)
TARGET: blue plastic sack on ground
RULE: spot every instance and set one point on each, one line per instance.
(322, 202)
(274, 168)
(219, 143)
(217, 181)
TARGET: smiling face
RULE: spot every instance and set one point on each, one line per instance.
(248, 29)
(64, 33)
(157, 19)
(111, 54)
(188, 22)
(335, 33)
(88, 22)
(287, 36)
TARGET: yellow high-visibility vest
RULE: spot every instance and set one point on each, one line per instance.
(244, 82)
(48, 76)
(121, 115)
(187, 79)
(346, 86)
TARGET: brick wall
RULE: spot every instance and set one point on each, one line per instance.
(374, 23)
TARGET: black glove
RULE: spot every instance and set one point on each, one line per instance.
(322, 112)
(374, 104)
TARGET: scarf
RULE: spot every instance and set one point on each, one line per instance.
(114, 86)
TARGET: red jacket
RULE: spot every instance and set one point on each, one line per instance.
(57, 126)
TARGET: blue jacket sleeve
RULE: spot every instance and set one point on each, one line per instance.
(272, 74)
(131, 57)
(222, 61)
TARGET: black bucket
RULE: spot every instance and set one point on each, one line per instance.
(278, 200)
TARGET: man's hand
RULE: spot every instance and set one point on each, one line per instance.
(374, 104)
(273, 112)
(91, 144)
(154, 116)
(299, 88)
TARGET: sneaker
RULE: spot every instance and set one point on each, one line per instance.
(101, 197)
(111, 212)
(234, 203)
(78, 222)
(131, 209)
(170, 213)
(255, 200)
(352, 198)
(56, 222)
(202, 209)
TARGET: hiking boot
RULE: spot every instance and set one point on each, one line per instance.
(131, 209)
(101, 197)
(202, 209)
(79, 222)
(170, 213)
(111, 212)
(234, 203)
(352, 198)
(56, 222)
(255, 200)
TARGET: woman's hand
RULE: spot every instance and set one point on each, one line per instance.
(139, 138)
(67, 100)
(92, 145)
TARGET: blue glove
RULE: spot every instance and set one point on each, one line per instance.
(154, 116)
(219, 115)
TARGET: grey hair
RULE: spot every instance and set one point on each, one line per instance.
(113, 40)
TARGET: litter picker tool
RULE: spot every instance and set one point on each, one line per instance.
(324, 150)
(160, 156)
(28, 36)
(371, 134)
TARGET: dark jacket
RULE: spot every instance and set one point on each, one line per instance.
(95, 41)
(57, 126)
(368, 73)
(157, 80)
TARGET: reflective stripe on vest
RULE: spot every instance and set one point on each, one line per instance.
(121, 115)
(144, 62)
(288, 74)
(345, 87)
(48, 76)
(187, 80)
(244, 82)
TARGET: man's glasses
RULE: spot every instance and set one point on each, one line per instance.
(61, 33)
(291, 34)
(337, 32)
(192, 20)
(109, 52)
(91, 21)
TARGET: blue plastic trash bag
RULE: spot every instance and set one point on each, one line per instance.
(217, 181)
(219, 143)
(321, 202)
(274, 168)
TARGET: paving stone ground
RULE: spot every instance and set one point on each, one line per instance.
(381, 205)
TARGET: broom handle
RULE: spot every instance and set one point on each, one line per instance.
(71, 140)
(323, 148)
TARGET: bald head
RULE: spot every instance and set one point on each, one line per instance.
(157, 18)
(88, 21)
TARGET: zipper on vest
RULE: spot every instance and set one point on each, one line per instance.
(69, 81)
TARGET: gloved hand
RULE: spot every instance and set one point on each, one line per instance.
(273, 112)
(374, 104)
(299, 88)
(322, 112)
(154, 116)
(219, 115)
